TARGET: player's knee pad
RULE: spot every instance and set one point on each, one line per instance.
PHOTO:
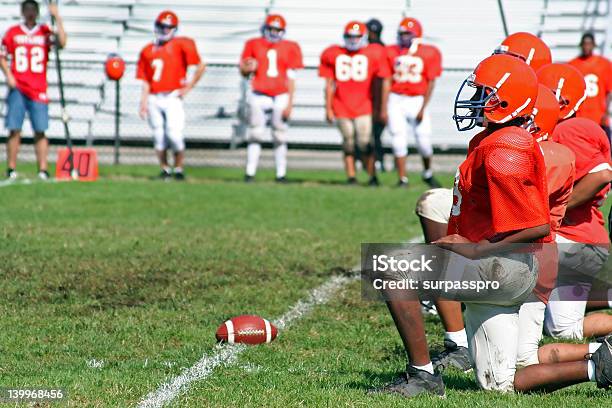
(159, 139)
(435, 205)
(399, 144)
(176, 141)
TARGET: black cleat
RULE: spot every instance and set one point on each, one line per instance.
(43, 175)
(249, 179)
(414, 382)
(373, 182)
(165, 175)
(281, 180)
(11, 174)
(453, 356)
(432, 182)
(603, 363)
(403, 182)
(179, 176)
(351, 181)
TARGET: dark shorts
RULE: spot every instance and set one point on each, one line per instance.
(17, 106)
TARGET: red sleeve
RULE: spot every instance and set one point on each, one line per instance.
(384, 69)
(248, 51)
(7, 44)
(326, 68)
(434, 64)
(190, 50)
(297, 61)
(49, 33)
(516, 200)
(141, 68)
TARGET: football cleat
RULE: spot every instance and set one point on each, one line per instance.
(603, 363)
(432, 182)
(351, 181)
(281, 180)
(413, 383)
(11, 174)
(179, 176)
(165, 175)
(43, 175)
(403, 182)
(453, 356)
(373, 182)
(249, 179)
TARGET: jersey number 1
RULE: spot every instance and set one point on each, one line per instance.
(272, 63)
(32, 62)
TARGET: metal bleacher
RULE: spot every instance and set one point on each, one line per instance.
(465, 31)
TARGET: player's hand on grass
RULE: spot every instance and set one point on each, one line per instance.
(329, 116)
(459, 245)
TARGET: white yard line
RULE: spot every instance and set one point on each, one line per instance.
(228, 354)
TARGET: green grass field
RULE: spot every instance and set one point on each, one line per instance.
(109, 289)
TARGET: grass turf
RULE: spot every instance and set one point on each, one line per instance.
(110, 288)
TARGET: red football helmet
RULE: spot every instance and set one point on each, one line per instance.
(409, 29)
(115, 67)
(166, 25)
(545, 114)
(528, 47)
(274, 27)
(568, 85)
(355, 35)
(505, 88)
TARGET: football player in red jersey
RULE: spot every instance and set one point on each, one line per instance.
(27, 45)
(349, 71)
(415, 68)
(582, 230)
(272, 62)
(500, 199)
(597, 71)
(162, 68)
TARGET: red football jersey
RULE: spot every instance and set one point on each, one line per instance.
(414, 67)
(560, 171)
(500, 187)
(590, 144)
(164, 66)
(273, 62)
(597, 71)
(29, 51)
(353, 73)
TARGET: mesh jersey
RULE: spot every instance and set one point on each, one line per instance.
(413, 68)
(273, 62)
(353, 73)
(590, 144)
(164, 66)
(500, 187)
(29, 51)
(597, 71)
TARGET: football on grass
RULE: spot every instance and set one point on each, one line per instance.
(246, 329)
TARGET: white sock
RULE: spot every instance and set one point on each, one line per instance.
(427, 174)
(253, 152)
(459, 337)
(167, 169)
(610, 298)
(428, 368)
(591, 370)
(280, 157)
(593, 347)
(178, 169)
